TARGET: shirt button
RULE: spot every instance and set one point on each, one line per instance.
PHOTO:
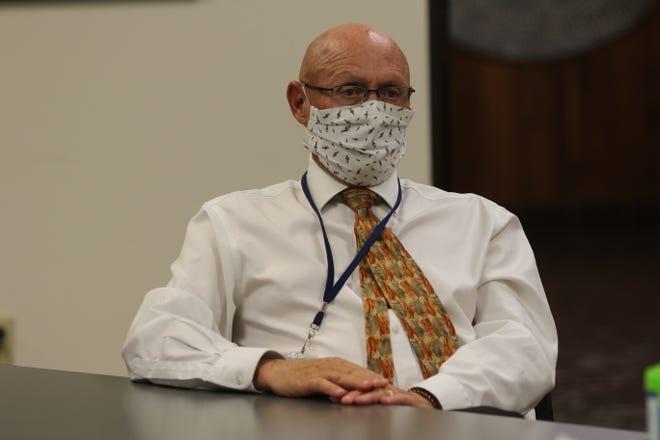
(395, 329)
(239, 379)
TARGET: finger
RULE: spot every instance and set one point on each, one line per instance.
(352, 376)
(373, 396)
(349, 397)
(358, 383)
(368, 398)
(395, 399)
(406, 398)
(324, 386)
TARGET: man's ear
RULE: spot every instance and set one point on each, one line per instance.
(298, 102)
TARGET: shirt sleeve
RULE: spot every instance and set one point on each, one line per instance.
(510, 362)
(181, 335)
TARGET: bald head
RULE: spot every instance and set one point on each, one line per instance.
(350, 54)
(335, 48)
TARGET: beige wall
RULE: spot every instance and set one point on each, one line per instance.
(117, 120)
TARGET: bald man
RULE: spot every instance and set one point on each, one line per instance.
(265, 295)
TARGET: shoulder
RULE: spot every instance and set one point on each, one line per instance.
(422, 199)
(433, 195)
(277, 193)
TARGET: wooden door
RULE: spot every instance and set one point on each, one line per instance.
(583, 130)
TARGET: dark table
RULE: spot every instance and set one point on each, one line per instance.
(49, 404)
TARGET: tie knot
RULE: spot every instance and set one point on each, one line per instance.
(357, 198)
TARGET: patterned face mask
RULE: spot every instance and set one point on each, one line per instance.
(361, 145)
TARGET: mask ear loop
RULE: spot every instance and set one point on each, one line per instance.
(305, 92)
(304, 89)
(311, 106)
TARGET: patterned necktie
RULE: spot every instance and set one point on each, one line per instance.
(390, 278)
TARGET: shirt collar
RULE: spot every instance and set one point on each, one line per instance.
(323, 187)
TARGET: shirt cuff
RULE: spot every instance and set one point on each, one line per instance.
(449, 392)
(235, 369)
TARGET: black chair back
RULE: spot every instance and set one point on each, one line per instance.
(544, 409)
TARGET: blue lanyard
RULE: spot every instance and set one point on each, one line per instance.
(331, 290)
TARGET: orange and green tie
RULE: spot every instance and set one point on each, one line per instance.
(390, 278)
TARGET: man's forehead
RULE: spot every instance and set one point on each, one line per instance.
(352, 45)
(391, 76)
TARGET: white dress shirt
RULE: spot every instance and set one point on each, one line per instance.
(251, 274)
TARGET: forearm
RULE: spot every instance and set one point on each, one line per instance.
(174, 341)
(507, 369)
(507, 358)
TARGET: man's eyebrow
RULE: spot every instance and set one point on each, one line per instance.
(351, 80)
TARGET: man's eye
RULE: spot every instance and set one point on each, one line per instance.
(392, 93)
(351, 92)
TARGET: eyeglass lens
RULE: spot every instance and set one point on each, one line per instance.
(353, 94)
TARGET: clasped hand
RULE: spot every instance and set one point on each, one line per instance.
(343, 381)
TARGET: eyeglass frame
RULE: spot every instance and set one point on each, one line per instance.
(368, 91)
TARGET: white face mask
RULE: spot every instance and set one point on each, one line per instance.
(361, 145)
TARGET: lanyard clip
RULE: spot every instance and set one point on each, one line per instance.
(314, 327)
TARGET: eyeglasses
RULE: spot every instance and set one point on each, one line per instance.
(354, 94)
